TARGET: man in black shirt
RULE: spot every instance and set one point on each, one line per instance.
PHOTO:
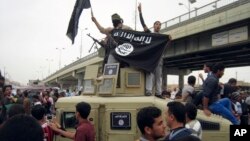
(211, 101)
(229, 88)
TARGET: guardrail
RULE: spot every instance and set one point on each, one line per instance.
(95, 54)
(197, 12)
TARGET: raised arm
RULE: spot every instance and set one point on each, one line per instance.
(201, 77)
(100, 28)
(142, 20)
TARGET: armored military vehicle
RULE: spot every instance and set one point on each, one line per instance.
(115, 105)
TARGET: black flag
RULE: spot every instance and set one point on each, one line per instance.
(73, 23)
(139, 49)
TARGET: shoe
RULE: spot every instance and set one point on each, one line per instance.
(148, 94)
(159, 96)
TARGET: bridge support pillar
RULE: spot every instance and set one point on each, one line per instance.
(79, 80)
(79, 83)
(164, 78)
(175, 71)
(60, 83)
(181, 81)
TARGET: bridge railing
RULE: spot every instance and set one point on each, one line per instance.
(95, 54)
(198, 12)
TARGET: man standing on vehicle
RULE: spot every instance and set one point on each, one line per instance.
(157, 74)
(117, 24)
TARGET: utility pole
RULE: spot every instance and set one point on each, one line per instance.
(60, 54)
(81, 41)
(49, 60)
(188, 7)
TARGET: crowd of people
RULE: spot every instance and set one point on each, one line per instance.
(217, 98)
(227, 100)
(180, 119)
(29, 116)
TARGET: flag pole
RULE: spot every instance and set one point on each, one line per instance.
(135, 12)
(92, 15)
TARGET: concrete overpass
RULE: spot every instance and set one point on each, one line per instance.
(222, 34)
(72, 74)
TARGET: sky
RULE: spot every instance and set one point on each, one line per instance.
(31, 30)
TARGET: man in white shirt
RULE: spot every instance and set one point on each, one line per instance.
(188, 90)
(191, 122)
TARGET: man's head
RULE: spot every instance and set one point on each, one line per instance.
(35, 98)
(19, 92)
(232, 82)
(116, 20)
(218, 69)
(236, 97)
(7, 89)
(191, 111)
(82, 110)
(38, 112)
(21, 128)
(46, 95)
(191, 80)
(25, 93)
(157, 26)
(175, 114)
(208, 67)
(15, 109)
(150, 122)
